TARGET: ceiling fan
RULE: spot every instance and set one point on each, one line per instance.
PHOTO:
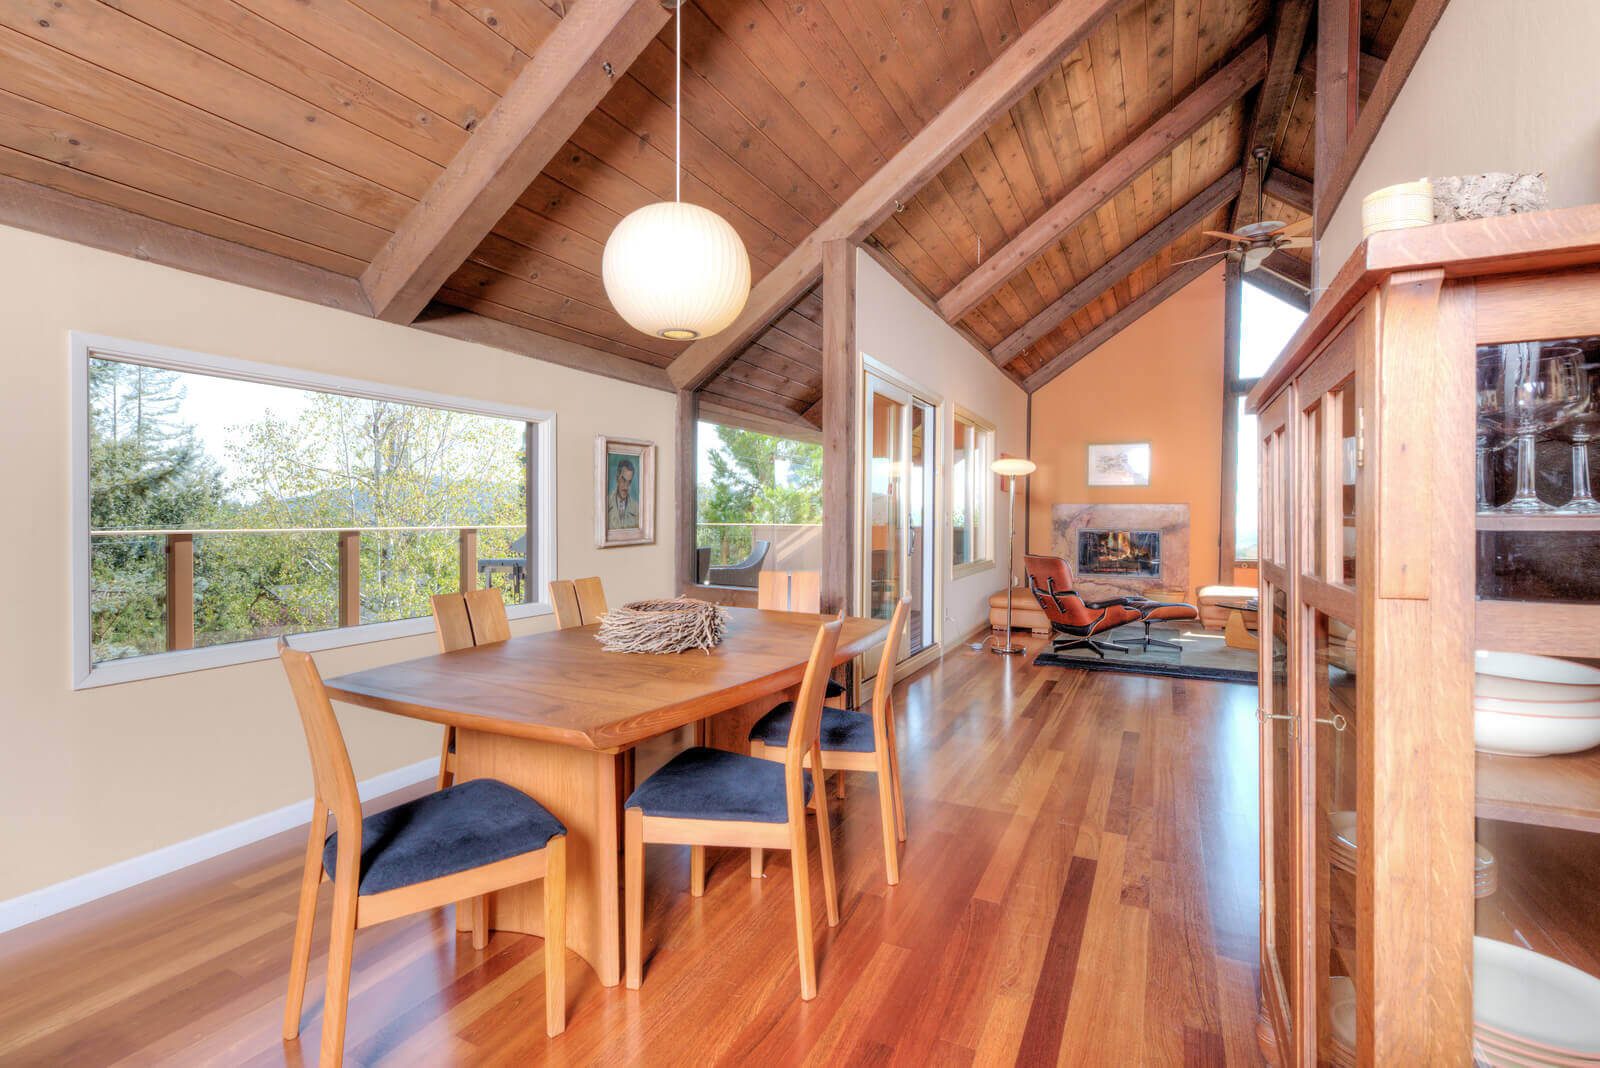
(1255, 242)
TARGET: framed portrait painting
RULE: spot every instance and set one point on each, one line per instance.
(1121, 464)
(625, 492)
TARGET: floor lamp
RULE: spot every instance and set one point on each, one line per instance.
(1013, 468)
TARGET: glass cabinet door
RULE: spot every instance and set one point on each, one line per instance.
(1536, 696)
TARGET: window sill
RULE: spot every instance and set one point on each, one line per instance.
(160, 665)
(972, 567)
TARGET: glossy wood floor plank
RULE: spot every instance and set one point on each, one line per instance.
(1079, 889)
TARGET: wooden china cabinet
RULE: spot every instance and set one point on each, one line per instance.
(1387, 558)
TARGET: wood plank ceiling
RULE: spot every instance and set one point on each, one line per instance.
(309, 129)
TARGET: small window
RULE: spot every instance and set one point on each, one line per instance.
(1266, 325)
(970, 493)
(225, 504)
(758, 504)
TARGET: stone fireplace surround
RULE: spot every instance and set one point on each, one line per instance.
(1171, 520)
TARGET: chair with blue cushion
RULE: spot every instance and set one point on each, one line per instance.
(458, 844)
(462, 620)
(707, 797)
(853, 741)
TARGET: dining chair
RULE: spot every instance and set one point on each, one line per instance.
(462, 620)
(591, 599)
(707, 797)
(852, 741)
(564, 599)
(458, 844)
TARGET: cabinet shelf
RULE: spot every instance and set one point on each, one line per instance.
(1552, 791)
(1539, 523)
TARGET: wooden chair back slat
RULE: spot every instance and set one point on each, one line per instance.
(564, 598)
(808, 706)
(331, 773)
(772, 590)
(805, 591)
(591, 599)
(451, 623)
(487, 611)
(883, 685)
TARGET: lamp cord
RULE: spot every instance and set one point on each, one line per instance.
(677, 106)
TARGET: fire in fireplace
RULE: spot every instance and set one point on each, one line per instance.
(1120, 552)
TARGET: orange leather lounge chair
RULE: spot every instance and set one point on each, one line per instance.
(1076, 621)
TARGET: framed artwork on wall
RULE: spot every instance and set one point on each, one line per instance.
(625, 492)
(1120, 464)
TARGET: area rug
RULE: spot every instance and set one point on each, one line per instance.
(1203, 655)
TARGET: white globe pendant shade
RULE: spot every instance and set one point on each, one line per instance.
(676, 271)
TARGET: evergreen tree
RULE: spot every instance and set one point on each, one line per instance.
(757, 479)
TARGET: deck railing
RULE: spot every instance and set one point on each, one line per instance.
(179, 550)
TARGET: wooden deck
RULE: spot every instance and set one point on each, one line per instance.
(1079, 888)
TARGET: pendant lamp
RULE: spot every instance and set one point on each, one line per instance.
(672, 269)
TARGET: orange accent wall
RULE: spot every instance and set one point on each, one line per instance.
(1159, 380)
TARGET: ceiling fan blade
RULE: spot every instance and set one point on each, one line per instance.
(1297, 229)
(1206, 256)
(1226, 237)
(1254, 257)
(1294, 242)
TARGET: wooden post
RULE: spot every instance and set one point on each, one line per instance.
(1232, 310)
(180, 591)
(687, 436)
(469, 559)
(1337, 91)
(349, 578)
(839, 384)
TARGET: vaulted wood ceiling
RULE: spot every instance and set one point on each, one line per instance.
(311, 129)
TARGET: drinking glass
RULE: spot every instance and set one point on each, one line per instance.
(1542, 385)
(1491, 410)
(1579, 428)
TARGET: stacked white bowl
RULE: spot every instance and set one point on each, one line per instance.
(1527, 1010)
(1343, 856)
(1525, 705)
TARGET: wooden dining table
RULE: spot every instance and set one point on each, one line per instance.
(556, 715)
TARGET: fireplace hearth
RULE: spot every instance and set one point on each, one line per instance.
(1128, 553)
(1163, 576)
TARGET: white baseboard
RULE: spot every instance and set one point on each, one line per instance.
(131, 872)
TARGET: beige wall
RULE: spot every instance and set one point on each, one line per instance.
(98, 776)
(896, 329)
(1159, 380)
(1499, 87)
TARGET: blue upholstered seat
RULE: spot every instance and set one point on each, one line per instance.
(453, 830)
(842, 731)
(712, 784)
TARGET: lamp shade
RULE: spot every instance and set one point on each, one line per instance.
(676, 271)
(1013, 467)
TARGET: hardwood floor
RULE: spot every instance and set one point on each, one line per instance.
(1079, 888)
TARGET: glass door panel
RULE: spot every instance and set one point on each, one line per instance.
(1280, 791)
(1341, 409)
(1339, 934)
(1313, 528)
(920, 513)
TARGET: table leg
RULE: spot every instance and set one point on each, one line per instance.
(1236, 635)
(730, 729)
(580, 788)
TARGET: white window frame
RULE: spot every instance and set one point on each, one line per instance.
(83, 346)
(980, 490)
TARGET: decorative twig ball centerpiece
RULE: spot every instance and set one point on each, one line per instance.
(671, 626)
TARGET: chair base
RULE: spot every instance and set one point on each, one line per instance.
(1143, 644)
(1100, 648)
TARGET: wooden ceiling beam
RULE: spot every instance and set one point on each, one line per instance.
(42, 210)
(1158, 139)
(1120, 266)
(713, 410)
(1272, 104)
(448, 321)
(1061, 29)
(557, 89)
(1280, 286)
(1289, 268)
(1290, 188)
(1124, 317)
(1335, 179)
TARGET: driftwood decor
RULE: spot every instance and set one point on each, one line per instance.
(670, 626)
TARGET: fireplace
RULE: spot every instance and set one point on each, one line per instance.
(1131, 553)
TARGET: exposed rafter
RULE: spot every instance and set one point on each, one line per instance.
(1280, 286)
(1290, 188)
(1061, 29)
(1124, 317)
(1272, 104)
(1124, 263)
(560, 85)
(1158, 139)
(449, 321)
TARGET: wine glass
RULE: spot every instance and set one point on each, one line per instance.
(1579, 426)
(1491, 410)
(1542, 384)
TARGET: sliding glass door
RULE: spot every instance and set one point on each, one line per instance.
(898, 557)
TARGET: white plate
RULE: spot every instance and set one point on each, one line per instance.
(1342, 1010)
(1522, 706)
(1527, 734)
(1501, 1051)
(1523, 675)
(1535, 998)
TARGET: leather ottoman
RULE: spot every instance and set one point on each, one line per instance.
(1025, 612)
(1212, 615)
